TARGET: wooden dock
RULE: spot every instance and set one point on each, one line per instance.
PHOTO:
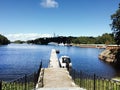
(56, 78)
(54, 60)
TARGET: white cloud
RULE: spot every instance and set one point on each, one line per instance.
(25, 37)
(49, 4)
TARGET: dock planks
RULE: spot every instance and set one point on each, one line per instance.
(54, 60)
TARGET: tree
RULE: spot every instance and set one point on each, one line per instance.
(3, 40)
(116, 25)
(107, 39)
(116, 30)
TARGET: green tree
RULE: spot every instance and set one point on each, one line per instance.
(116, 25)
(3, 40)
(105, 39)
(116, 30)
(84, 40)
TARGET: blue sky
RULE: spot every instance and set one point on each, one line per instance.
(62, 17)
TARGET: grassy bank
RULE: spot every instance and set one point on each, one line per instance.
(17, 86)
(98, 84)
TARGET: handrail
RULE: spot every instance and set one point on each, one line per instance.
(26, 82)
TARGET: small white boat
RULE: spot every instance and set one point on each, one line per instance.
(64, 60)
(61, 44)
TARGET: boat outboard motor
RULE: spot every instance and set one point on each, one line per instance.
(67, 65)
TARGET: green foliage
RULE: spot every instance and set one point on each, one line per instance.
(17, 86)
(116, 30)
(100, 84)
(3, 40)
(116, 25)
(19, 42)
(60, 39)
(104, 39)
(84, 40)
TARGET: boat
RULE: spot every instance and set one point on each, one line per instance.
(68, 44)
(65, 62)
(53, 43)
(61, 44)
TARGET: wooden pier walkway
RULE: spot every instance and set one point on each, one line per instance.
(56, 78)
(54, 60)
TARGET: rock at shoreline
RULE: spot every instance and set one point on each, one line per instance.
(108, 55)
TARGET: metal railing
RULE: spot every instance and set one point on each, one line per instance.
(94, 82)
(38, 73)
(27, 82)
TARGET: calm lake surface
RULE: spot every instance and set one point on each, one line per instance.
(20, 59)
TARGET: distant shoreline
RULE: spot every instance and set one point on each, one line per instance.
(102, 46)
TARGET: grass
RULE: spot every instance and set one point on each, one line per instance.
(17, 86)
(100, 84)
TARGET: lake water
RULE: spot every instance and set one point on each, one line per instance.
(20, 59)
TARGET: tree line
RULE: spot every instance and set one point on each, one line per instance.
(59, 39)
(3, 40)
(104, 39)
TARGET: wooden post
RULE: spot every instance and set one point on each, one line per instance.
(0, 85)
(94, 82)
(25, 82)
